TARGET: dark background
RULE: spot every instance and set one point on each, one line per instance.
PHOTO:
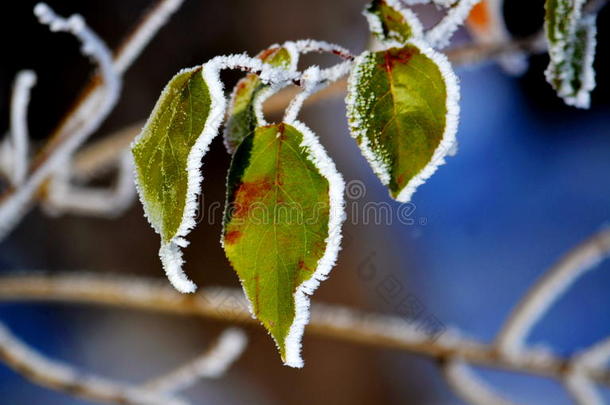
(529, 182)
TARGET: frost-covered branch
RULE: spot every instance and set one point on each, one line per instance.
(335, 322)
(464, 382)
(154, 19)
(64, 197)
(578, 385)
(93, 106)
(19, 134)
(212, 364)
(62, 377)
(82, 122)
(547, 290)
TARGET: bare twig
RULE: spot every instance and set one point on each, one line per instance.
(59, 376)
(20, 137)
(545, 292)
(80, 123)
(582, 390)
(211, 364)
(469, 387)
(104, 202)
(229, 305)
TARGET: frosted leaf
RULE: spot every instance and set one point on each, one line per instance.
(245, 106)
(571, 40)
(282, 227)
(402, 109)
(168, 155)
(391, 22)
(169, 151)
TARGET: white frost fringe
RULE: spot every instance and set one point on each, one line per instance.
(563, 51)
(356, 123)
(448, 142)
(440, 35)
(326, 166)
(582, 98)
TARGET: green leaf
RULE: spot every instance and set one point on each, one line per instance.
(282, 226)
(571, 40)
(402, 108)
(242, 108)
(391, 22)
(167, 157)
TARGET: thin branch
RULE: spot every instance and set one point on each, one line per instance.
(582, 390)
(465, 383)
(20, 137)
(335, 322)
(549, 288)
(77, 128)
(211, 364)
(144, 32)
(62, 377)
(63, 196)
(100, 156)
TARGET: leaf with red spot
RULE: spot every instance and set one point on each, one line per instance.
(403, 110)
(243, 117)
(282, 226)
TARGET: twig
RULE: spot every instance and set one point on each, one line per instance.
(61, 377)
(20, 137)
(581, 389)
(63, 196)
(80, 122)
(469, 387)
(211, 364)
(334, 322)
(545, 292)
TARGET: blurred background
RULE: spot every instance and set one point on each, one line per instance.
(531, 179)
